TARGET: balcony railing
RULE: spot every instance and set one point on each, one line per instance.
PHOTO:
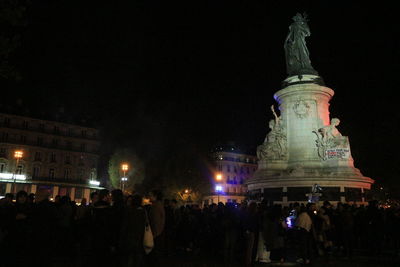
(60, 180)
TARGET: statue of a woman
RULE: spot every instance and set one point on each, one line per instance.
(297, 55)
(274, 146)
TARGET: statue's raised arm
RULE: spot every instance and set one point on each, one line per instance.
(296, 52)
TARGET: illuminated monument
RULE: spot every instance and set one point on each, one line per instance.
(304, 150)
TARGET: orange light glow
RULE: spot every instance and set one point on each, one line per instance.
(124, 167)
(18, 154)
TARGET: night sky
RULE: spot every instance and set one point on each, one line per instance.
(169, 77)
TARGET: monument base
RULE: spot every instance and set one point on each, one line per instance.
(285, 189)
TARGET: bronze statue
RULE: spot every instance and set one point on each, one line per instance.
(297, 55)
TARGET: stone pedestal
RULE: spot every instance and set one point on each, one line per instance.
(304, 147)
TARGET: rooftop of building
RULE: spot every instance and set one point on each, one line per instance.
(56, 116)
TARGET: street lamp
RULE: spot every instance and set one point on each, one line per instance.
(18, 154)
(218, 187)
(187, 196)
(124, 168)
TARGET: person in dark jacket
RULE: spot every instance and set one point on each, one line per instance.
(157, 222)
(101, 235)
(375, 227)
(230, 228)
(7, 220)
(251, 228)
(274, 230)
(131, 234)
(44, 223)
(21, 230)
(117, 211)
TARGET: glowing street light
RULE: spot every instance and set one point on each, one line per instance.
(18, 154)
(124, 167)
(218, 177)
(186, 195)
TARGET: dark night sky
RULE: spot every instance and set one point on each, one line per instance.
(163, 77)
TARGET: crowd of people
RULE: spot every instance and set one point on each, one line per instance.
(108, 230)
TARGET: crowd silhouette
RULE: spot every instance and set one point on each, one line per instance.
(108, 230)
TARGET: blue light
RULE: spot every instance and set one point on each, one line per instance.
(291, 219)
(289, 222)
(218, 188)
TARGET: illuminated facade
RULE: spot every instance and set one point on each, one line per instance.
(57, 156)
(231, 169)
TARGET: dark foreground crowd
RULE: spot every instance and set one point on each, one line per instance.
(109, 230)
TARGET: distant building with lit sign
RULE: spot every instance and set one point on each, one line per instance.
(231, 168)
(57, 156)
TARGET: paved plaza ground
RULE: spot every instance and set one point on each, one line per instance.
(189, 260)
(361, 259)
